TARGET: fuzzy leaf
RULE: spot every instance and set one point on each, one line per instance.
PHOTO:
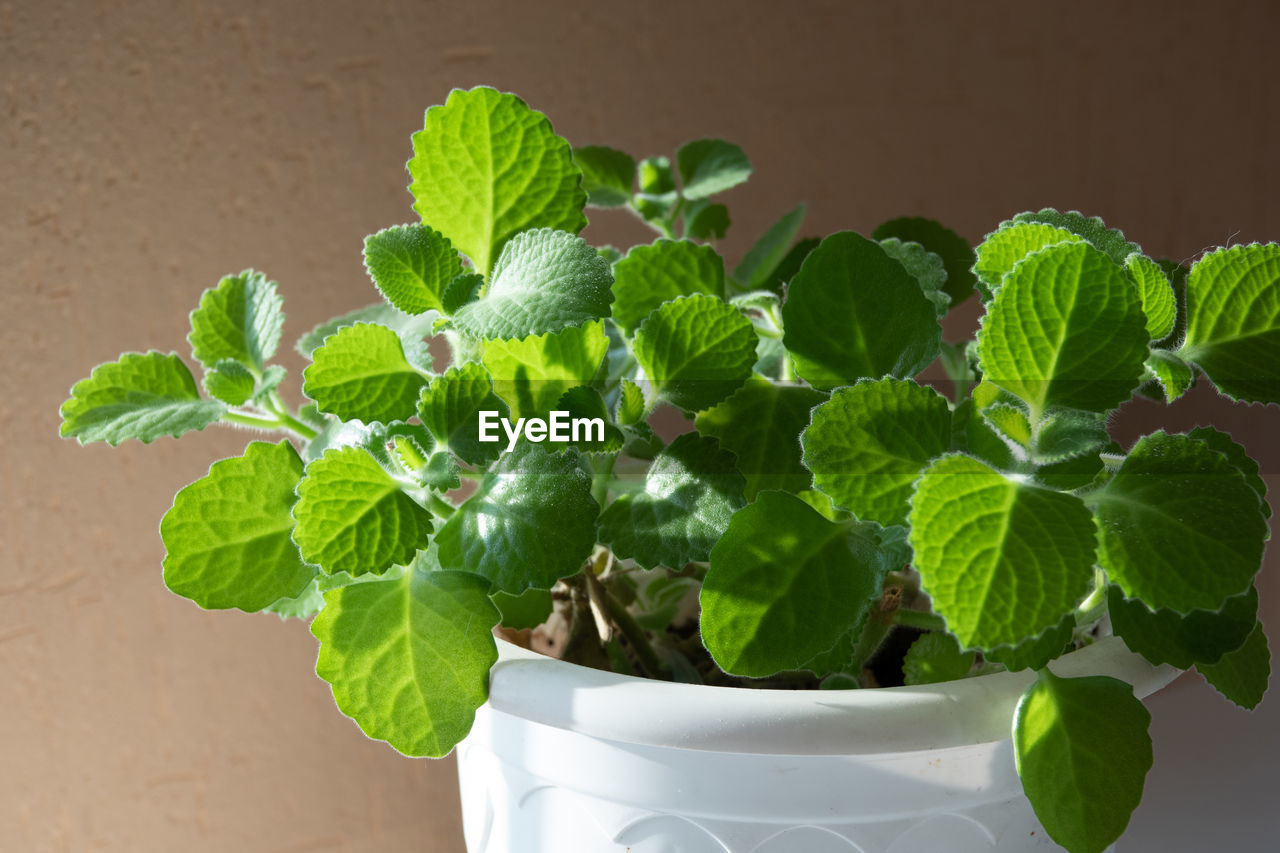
(354, 518)
(486, 167)
(229, 381)
(544, 281)
(411, 265)
(956, 253)
(1243, 673)
(1003, 248)
(409, 658)
(706, 220)
(1179, 526)
(1009, 421)
(531, 522)
(710, 166)
(664, 270)
(695, 351)
(361, 373)
(1184, 640)
(532, 374)
(1238, 457)
(1233, 321)
(1174, 375)
(1066, 329)
(1158, 302)
(690, 491)
(853, 312)
(630, 403)
(760, 423)
(785, 584)
(240, 319)
(1083, 751)
(226, 537)
(657, 188)
(867, 445)
(936, 657)
(411, 328)
(1035, 652)
(142, 396)
(1108, 240)
(450, 408)
(764, 256)
(607, 175)
(1001, 559)
(462, 290)
(528, 610)
(1066, 434)
(925, 267)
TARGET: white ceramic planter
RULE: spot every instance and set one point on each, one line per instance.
(566, 759)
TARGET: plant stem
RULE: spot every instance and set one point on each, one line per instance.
(440, 506)
(631, 629)
(254, 421)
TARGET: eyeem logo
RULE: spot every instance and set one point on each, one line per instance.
(559, 427)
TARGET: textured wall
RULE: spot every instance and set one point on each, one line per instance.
(150, 147)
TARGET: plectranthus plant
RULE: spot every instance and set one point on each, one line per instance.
(477, 449)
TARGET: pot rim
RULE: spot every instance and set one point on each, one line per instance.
(629, 709)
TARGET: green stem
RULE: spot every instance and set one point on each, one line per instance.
(254, 421)
(1093, 607)
(440, 506)
(631, 629)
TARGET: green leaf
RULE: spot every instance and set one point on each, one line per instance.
(1108, 240)
(667, 269)
(226, 537)
(925, 267)
(142, 396)
(463, 290)
(710, 166)
(1066, 329)
(785, 584)
(1233, 321)
(690, 491)
(766, 254)
(1242, 674)
(354, 518)
(1178, 525)
(450, 408)
(545, 281)
(867, 445)
(790, 264)
(408, 659)
(1184, 640)
(607, 175)
(229, 381)
(1174, 375)
(1009, 421)
(531, 522)
(973, 435)
(1083, 751)
(411, 329)
(1035, 652)
(760, 422)
(936, 657)
(1001, 559)
(1066, 434)
(695, 351)
(411, 265)
(239, 319)
(1238, 457)
(1003, 248)
(532, 374)
(441, 473)
(527, 610)
(630, 403)
(485, 167)
(853, 312)
(705, 220)
(361, 373)
(955, 251)
(1158, 302)
(657, 188)
(585, 402)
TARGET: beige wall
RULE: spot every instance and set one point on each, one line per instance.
(149, 147)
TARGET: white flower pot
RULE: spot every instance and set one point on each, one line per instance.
(566, 759)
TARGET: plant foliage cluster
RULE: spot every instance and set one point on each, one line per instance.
(823, 501)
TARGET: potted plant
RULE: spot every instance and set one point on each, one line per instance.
(827, 522)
